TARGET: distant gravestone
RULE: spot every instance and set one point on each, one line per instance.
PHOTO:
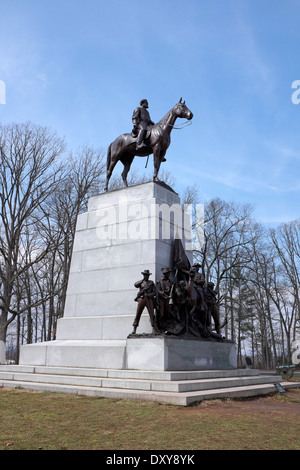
(2, 352)
(248, 361)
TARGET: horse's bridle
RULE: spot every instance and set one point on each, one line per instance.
(184, 124)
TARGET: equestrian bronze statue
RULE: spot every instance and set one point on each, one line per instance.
(146, 138)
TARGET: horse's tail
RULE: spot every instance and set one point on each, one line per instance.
(108, 157)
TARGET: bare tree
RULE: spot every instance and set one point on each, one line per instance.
(228, 232)
(260, 280)
(271, 277)
(286, 240)
(84, 176)
(28, 175)
(285, 295)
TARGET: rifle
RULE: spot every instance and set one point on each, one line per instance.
(141, 292)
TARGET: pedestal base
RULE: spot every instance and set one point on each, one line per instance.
(75, 353)
(171, 353)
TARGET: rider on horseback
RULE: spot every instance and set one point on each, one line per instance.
(123, 148)
(141, 121)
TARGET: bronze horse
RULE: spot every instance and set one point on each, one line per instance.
(157, 142)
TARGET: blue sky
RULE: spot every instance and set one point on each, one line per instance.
(82, 67)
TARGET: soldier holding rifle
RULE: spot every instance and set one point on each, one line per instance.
(164, 291)
(145, 298)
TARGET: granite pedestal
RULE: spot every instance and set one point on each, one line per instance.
(171, 353)
(122, 233)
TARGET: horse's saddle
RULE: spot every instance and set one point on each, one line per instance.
(135, 132)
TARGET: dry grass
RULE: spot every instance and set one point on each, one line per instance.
(50, 421)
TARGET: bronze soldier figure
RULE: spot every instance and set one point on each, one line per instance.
(181, 301)
(198, 276)
(212, 304)
(199, 280)
(141, 121)
(164, 287)
(199, 284)
(145, 298)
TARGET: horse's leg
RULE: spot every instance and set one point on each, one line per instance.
(157, 162)
(114, 154)
(108, 174)
(112, 159)
(126, 160)
(112, 165)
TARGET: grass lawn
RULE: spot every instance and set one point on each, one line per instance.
(50, 421)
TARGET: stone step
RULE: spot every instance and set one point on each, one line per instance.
(174, 387)
(125, 373)
(236, 392)
(182, 399)
(138, 383)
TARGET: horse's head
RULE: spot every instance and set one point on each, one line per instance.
(183, 111)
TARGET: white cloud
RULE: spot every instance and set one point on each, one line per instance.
(257, 67)
(283, 150)
(44, 79)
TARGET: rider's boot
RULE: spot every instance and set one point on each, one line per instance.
(140, 140)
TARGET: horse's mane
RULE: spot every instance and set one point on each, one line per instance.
(166, 117)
